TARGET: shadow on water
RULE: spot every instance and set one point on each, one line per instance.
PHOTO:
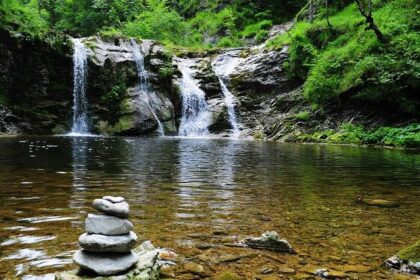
(186, 192)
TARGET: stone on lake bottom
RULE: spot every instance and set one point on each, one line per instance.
(114, 199)
(268, 241)
(105, 264)
(103, 243)
(107, 225)
(120, 209)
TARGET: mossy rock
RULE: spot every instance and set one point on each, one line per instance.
(410, 253)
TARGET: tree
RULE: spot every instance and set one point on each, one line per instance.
(366, 11)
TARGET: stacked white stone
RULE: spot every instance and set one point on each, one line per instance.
(108, 240)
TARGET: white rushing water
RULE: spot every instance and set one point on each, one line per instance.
(195, 118)
(223, 66)
(80, 104)
(144, 81)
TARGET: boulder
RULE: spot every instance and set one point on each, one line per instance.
(120, 209)
(267, 241)
(107, 225)
(407, 260)
(105, 264)
(102, 243)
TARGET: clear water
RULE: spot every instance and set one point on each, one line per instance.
(182, 191)
(80, 104)
(144, 81)
(196, 117)
(223, 66)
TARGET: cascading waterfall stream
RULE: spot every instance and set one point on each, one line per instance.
(80, 103)
(144, 81)
(223, 65)
(195, 114)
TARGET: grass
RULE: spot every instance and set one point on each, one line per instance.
(303, 116)
(407, 136)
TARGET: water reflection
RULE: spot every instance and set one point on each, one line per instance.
(182, 190)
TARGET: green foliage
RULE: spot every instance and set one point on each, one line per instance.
(344, 57)
(114, 94)
(253, 29)
(158, 22)
(303, 116)
(196, 24)
(408, 136)
(23, 18)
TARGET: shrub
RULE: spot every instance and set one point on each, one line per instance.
(302, 116)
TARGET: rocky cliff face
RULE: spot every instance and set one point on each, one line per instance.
(36, 87)
(118, 106)
(36, 83)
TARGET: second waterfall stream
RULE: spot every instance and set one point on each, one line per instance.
(143, 77)
(196, 117)
(223, 66)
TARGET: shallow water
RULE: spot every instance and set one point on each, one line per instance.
(185, 193)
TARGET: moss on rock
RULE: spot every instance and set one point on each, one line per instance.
(410, 253)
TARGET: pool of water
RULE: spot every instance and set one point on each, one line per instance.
(198, 195)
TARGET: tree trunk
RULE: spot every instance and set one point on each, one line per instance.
(369, 19)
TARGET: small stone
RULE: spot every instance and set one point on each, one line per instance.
(266, 270)
(120, 209)
(265, 218)
(105, 264)
(334, 274)
(107, 225)
(204, 246)
(378, 202)
(114, 199)
(194, 268)
(167, 272)
(285, 269)
(220, 232)
(228, 258)
(103, 243)
(268, 241)
(354, 268)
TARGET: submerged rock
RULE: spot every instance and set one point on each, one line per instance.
(120, 209)
(267, 241)
(103, 243)
(109, 264)
(378, 202)
(406, 260)
(107, 225)
(114, 199)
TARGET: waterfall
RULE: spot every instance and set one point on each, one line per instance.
(80, 103)
(195, 114)
(143, 77)
(223, 65)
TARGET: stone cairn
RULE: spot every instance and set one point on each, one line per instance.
(107, 243)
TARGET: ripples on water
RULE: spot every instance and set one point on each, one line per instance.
(182, 191)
